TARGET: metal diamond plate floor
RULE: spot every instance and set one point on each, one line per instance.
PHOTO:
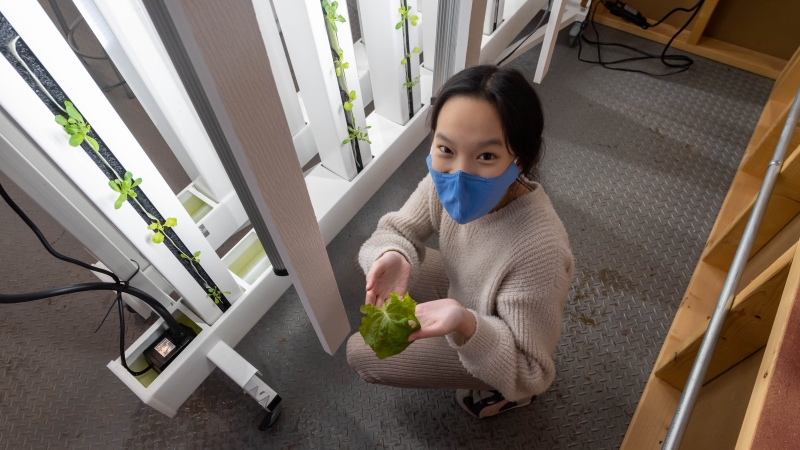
(637, 168)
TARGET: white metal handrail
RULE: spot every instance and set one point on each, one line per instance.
(689, 396)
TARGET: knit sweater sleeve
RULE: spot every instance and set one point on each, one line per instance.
(405, 231)
(513, 351)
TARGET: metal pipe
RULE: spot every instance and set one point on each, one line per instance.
(689, 396)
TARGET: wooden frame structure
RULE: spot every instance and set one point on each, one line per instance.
(692, 40)
(755, 330)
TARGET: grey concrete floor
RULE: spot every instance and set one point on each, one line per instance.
(636, 167)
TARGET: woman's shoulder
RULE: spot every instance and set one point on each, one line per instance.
(536, 224)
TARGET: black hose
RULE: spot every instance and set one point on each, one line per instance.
(173, 324)
(46, 244)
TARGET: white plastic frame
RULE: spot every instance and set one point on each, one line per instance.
(28, 111)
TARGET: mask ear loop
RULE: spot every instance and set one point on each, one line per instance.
(520, 179)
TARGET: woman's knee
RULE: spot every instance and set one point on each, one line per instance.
(361, 358)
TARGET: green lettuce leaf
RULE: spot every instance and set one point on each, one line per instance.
(386, 329)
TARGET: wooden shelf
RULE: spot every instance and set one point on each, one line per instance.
(733, 55)
(783, 206)
(746, 329)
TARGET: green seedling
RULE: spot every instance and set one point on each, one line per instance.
(386, 329)
(404, 15)
(360, 134)
(158, 227)
(76, 127)
(410, 84)
(340, 63)
(124, 188)
(194, 258)
(215, 294)
(330, 14)
(348, 105)
(408, 56)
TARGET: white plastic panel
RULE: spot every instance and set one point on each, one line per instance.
(22, 104)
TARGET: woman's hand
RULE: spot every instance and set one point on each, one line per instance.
(390, 273)
(441, 317)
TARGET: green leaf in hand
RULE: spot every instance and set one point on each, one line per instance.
(386, 329)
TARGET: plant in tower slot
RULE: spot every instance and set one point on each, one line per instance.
(215, 294)
(405, 15)
(411, 83)
(194, 258)
(124, 188)
(340, 63)
(358, 133)
(330, 13)
(76, 127)
(348, 105)
(158, 227)
(408, 56)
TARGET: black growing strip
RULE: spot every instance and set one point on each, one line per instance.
(7, 35)
(407, 51)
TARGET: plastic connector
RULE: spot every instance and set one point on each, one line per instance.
(626, 12)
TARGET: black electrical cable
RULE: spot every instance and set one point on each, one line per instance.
(46, 244)
(118, 286)
(522, 41)
(173, 324)
(683, 62)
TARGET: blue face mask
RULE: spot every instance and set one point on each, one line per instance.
(468, 197)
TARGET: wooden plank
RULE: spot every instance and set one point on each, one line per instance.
(756, 422)
(783, 206)
(787, 83)
(227, 50)
(766, 65)
(721, 407)
(700, 22)
(776, 247)
(745, 331)
(757, 161)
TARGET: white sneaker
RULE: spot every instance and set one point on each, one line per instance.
(481, 404)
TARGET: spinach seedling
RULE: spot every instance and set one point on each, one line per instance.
(404, 15)
(124, 188)
(215, 294)
(76, 127)
(158, 227)
(194, 258)
(340, 63)
(330, 14)
(348, 105)
(360, 134)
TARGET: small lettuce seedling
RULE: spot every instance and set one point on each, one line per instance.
(404, 15)
(330, 14)
(408, 56)
(348, 105)
(410, 84)
(215, 294)
(194, 258)
(340, 63)
(124, 188)
(360, 134)
(158, 227)
(76, 127)
(386, 329)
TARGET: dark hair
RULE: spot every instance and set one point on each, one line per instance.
(516, 102)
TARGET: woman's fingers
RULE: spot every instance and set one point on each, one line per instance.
(370, 299)
(426, 332)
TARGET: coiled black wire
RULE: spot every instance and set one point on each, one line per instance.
(119, 286)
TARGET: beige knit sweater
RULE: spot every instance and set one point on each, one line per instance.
(512, 269)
